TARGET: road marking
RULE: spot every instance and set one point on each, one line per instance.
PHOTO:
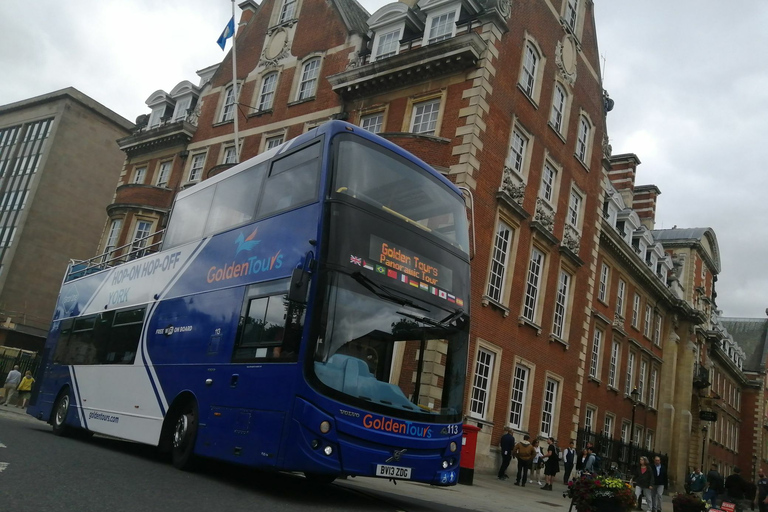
(3, 465)
(2, 445)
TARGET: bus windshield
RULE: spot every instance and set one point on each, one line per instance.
(396, 354)
(383, 179)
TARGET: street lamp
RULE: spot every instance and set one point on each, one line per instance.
(703, 445)
(634, 396)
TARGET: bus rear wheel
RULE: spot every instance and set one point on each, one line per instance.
(183, 437)
(60, 411)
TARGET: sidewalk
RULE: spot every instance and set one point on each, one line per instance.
(487, 494)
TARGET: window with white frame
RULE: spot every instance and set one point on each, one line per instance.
(561, 304)
(180, 110)
(308, 84)
(594, 362)
(387, 44)
(608, 426)
(641, 380)
(143, 229)
(196, 168)
(652, 388)
(620, 292)
(287, 11)
(424, 120)
(528, 75)
(548, 410)
(114, 233)
(548, 176)
(517, 149)
(499, 261)
(657, 330)
(6, 236)
(517, 402)
(574, 209)
(624, 431)
(571, 13)
(613, 367)
(228, 110)
(558, 108)
(647, 325)
(273, 142)
(649, 440)
(156, 116)
(481, 384)
(230, 155)
(589, 419)
(582, 139)
(629, 384)
(535, 267)
(441, 26)
(638, 434)
(602, 291)
(636, 311)
(163, 174)
(267, 92)
(139, 175)
(372, 122)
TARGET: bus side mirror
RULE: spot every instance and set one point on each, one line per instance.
(299, 286)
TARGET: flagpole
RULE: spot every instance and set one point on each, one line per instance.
(235, 88)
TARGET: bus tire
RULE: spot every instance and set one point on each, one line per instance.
(183, 437)
(319, 478)
(59, 414)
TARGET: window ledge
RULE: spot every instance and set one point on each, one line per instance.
(613, 390)
(487, 301)
(223, 123)
(557, 339)
(434, 138)
(260, 113)
(533, 102)
(557, 132)
(299, 102)
(582, 162)
(595, 380)
(524, 321)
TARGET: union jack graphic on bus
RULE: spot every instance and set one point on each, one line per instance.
(356, 261)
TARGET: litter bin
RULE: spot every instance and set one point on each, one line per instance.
(468, 449)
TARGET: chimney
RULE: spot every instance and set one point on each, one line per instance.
(645, 204)
(622, 175)
(249, 9)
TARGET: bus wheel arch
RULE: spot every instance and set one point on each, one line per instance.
(59, 413)
(179, 432)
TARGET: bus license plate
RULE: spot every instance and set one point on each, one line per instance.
(393, 471)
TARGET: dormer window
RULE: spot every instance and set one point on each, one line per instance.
(441, 26)
(387, 44)
(180, 112)
(156, 117)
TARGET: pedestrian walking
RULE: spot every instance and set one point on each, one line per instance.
(538, 463)
(524, 453)
(507, 444)
(762, 491)
(25, 389)
(660, 481)
(11, 383)
(551, 464)
(643, 479)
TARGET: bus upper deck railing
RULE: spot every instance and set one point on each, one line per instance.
(116, 256)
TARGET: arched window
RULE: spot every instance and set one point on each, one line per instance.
(558, 108)
(308, 85)
(267, 93)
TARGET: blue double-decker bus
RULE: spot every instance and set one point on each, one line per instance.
(307, 311)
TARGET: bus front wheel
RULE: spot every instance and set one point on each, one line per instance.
(60, 411)
(183, 437)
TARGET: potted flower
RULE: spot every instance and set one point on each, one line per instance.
(688, 503)
(592, 493)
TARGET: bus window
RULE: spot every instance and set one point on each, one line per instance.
(270, 327)
(188, 218)
(292, 181)
(234, 202)
(124, 336)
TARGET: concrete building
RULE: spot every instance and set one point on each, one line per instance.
(58, 166)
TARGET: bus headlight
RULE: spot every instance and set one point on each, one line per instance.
(325, 427)
(328, 450)
(445, 464)
(452, 446)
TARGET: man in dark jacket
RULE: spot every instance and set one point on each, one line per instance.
(736, 489)
(569, 458)
(660, 481)
(714, 486)
(506, 444)
(762, 491)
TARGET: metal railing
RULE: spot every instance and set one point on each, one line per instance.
(117, 256)
(618, 458)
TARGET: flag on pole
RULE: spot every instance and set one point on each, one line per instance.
(229, 31)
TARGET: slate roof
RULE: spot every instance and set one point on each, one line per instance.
(751, 334)
(354, 15)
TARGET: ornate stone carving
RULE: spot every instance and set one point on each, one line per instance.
(544, 215)
(194, 115)
(572, 239)
(566, 58)
(505, 8)
(618, 320)
(276, 47)
(512, 185)
(607, 148)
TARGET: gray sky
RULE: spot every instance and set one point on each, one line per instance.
(689, 79)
